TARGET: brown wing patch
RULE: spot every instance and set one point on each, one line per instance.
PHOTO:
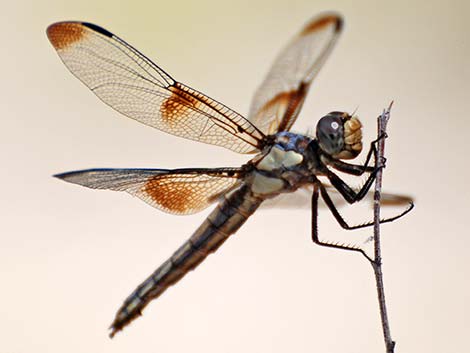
(64, 34)
(284, 106)
(180, 197)
(187, 193)
(294, 103)
(322, 23)
(180, 104)
(129, 82)
(277, 108)
(180, 191)
(281, 99)
(292, 73)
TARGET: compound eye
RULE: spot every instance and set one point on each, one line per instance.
(329, 125)
(330, 133)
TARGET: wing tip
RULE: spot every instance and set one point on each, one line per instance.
(71, 176)
(322, 21)
(61, 176)
(339, 24)
(98, 29)
(64, 34)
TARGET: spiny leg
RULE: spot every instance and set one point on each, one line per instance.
(346, 191)
(315, 237)
(341, 220)
(344, 224)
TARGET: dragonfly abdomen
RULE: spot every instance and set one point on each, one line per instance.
(225, 220)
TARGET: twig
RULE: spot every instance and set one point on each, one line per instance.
(377, 263)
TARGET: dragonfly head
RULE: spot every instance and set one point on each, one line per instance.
(339, 134)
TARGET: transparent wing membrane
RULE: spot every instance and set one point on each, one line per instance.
(130, 83)
(278, 100)
(183, 191)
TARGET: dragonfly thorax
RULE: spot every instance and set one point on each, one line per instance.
(283, 166)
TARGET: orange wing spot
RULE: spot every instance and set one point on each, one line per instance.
(64, 34)
(177, 106)
(178, 197)
(282, 99)
(321, 23)
(277, 105)
(286, 105)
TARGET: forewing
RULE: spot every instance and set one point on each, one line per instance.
(278, 100)
(129, 82)
(181, 191)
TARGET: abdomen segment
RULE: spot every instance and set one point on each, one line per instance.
(224, 221)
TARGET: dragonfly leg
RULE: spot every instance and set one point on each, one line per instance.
(346, 191)
(341, 220)
(338, 217)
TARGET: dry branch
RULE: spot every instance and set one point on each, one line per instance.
(382, 121)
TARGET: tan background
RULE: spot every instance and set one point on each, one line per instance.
(69, 256)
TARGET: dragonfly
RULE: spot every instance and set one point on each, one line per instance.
(283, 161)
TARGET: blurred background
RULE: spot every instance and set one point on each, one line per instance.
(69, 256)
